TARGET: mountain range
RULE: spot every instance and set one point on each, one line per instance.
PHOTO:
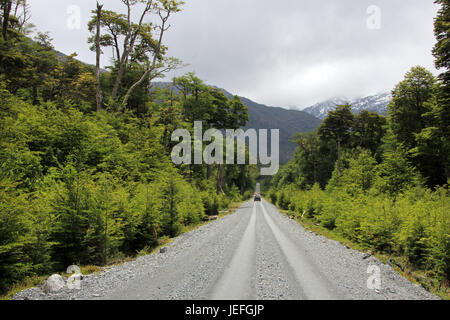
(292, 121)
(376, 103)
(289, 122)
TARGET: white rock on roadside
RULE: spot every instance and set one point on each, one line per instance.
(54, 284)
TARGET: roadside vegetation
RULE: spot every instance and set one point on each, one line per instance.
(35, 280)
(382, 183)
(412, 231)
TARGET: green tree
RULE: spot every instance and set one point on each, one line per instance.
(142, 43)
(71, 206)
(431, 153)
(441, 50)
(368, 131)
(417, 116)
(408, 105)
(196, 99)
(337, 127)
(395, 173)
(359, 177)
(13, 226)
(441, 110)
(313, 160)
(147, 206)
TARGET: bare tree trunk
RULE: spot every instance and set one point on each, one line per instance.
(7, 5)
(24, 15)
(98, 53)
(218, 187)
(220, 179)
(129, 42)
(124, 54)
(153, 65)
(243, 174)
(208, 171)
(16, 9)
(315, 170)
(119, 75)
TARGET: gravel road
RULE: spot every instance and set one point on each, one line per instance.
(254, 253)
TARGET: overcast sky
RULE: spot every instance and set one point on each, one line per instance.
(279, 53)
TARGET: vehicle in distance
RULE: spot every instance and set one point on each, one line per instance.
(257, 197)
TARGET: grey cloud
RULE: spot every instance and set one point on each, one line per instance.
(283, 53)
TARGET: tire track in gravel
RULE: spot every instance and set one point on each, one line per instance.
(314, 285)
(344, 269)
(275, 278)
(189, 271)
(237, 281)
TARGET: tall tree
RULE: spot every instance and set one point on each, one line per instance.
(337, 127)
(441, 52)
(142, 43)
(151, 52)
(417, 116)
(368, 130)
(408, 105)
(22, 13)
(6, 6)
(196, 98)
(228, 114)
(313, 161)
(98, 95)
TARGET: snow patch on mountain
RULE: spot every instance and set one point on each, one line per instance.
(377, 103)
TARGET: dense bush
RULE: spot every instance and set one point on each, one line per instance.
(416, 224)
(78, 187)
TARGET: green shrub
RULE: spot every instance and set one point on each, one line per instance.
(416, 224)
(273, 197)
(247, 195)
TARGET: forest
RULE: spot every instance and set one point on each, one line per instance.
(382, 182)
(86, 175)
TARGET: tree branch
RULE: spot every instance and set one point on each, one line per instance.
(155, 59)
(129, 43)
(98, 53)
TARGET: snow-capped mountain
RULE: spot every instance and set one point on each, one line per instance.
(376, 103)
(320, 110)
